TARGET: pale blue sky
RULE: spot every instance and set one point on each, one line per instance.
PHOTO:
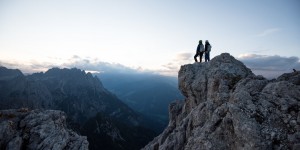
(153, 35)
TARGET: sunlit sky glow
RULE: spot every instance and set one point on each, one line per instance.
(147, 35)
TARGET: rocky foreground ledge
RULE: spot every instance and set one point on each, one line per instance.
(36, 129)
(228, 107)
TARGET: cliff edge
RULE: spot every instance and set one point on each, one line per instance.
(226, 106)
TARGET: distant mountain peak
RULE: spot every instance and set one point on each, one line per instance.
(9, 73)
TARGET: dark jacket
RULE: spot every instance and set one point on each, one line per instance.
(200, 48)
(207, 47)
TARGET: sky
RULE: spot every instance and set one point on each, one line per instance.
(148, 35)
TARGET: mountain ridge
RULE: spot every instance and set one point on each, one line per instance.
(81, 96)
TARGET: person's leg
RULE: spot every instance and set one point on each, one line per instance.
(208, 57)
(201, 54)
(195, 57)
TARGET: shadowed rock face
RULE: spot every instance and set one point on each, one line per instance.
(228, 107)
(23, 129)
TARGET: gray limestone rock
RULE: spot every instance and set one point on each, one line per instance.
(228, 107)
(36, 129)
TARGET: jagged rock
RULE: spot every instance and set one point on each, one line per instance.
(228, 107)
(293, 77)
(36, 129)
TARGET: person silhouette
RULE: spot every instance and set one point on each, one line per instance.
(207, 51)
(199, 51)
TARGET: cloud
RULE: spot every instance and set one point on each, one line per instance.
(28, 67)
(171, 68)
(183, 56)
(92, 65)
(268, 32)
(270, 66)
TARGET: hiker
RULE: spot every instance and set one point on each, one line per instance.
(207, 51)
(200, 51)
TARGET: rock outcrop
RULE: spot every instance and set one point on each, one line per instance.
(36, 129)
(228, 107)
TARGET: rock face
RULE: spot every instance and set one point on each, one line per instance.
(228, 107)
(24, 129)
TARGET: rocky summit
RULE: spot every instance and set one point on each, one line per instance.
(226, 106)
(36, 129)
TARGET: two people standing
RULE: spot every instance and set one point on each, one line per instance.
(201, 50)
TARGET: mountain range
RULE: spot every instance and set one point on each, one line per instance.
(91, 109)
(225, 106)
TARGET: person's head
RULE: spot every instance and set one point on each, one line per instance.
(200, 42)
(206, 42)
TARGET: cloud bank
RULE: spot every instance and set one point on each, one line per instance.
(270, 66)
(97, 66)
(88, 64)
(28, 67)
(94, 65)
(172, 68)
